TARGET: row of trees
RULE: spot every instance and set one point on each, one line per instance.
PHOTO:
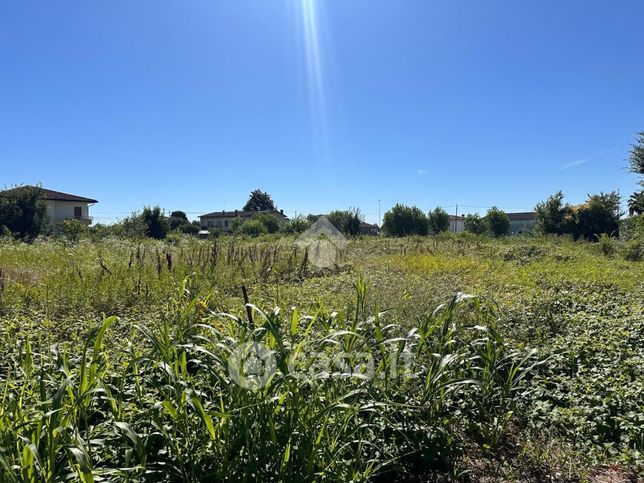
(404, 220)
(599, 214)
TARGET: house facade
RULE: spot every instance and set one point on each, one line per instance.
(223, 220)
(64, 206)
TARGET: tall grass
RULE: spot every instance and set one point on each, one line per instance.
(167, 407)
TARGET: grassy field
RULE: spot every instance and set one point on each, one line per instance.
(123, 361)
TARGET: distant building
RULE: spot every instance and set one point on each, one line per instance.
(63, 206)
(456, 223)
(223, 220)
(522, 222)
(369, 229)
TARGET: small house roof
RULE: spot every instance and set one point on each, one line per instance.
(51, 195)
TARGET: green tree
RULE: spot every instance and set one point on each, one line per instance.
(259, 201)
(178, 218)
(498, 222)
(189, 228)
(269, 221)
(636, 203)
(156, 224)
(438, 220)
(600, 214)
(636, 157)
(253, 227)
(347, 221)
(23, 211)
(552, 215)
(404, 220)
(131, 226)
(475, 224)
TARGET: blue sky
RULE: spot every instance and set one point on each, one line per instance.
(325, 104)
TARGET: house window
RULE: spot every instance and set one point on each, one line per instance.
(226, 223)
(78, 212)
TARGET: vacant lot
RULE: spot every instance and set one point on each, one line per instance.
(122, 361)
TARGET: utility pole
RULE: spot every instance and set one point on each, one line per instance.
(378, 213)
(456, 220)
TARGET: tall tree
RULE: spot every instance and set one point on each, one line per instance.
(600, 214)
(551, 215)
(157, 225)
(474, 224)
(636, 203)
(497, 221)
(259, 201)
(438, 221)
(23, 211)
(636, 157)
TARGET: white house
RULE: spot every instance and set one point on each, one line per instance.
(223, 220)
(63, 206)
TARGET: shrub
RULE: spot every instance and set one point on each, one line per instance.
(5, 232)
(269, 221)
(189, 228)
(633, 250)
(606, 245)
(23, 211)
(253, 227)
(632, 227)
(475, 224)
(73, 230)
(156, 224)
(600, 214)
(296, 225)
(438, 220)
(404, 220)
(347, 221)
(497, 222)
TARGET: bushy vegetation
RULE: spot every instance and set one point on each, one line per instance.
(497, 221)
(404, 220)
(537, 378)
(23, 212)
(438, 221)
(599, 214)
(347, 221)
